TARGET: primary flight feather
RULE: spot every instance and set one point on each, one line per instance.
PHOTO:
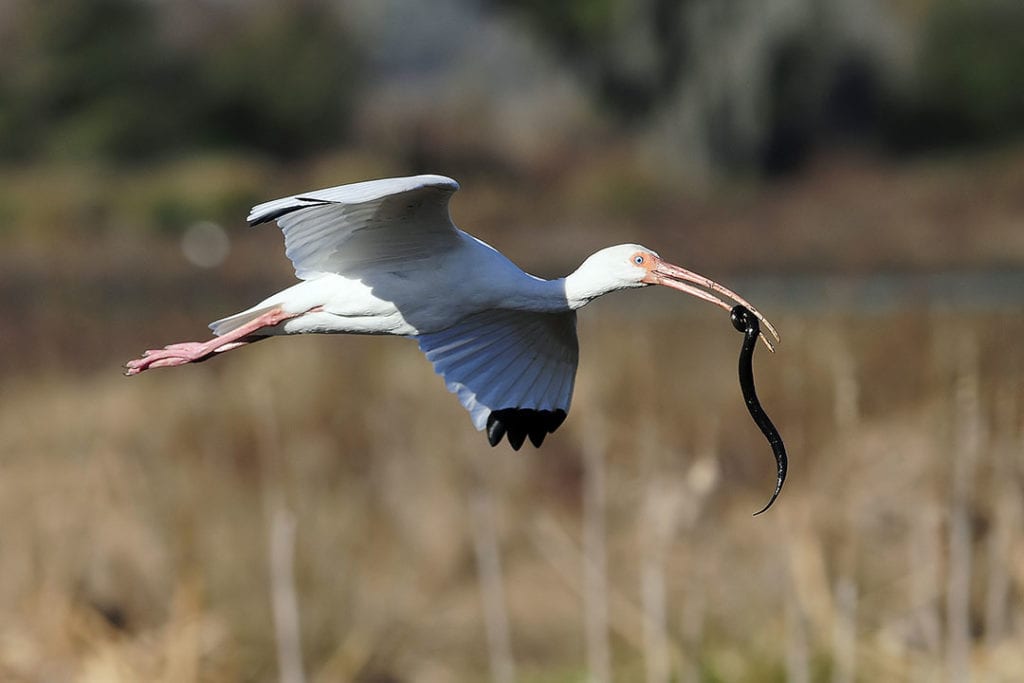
(383, 257)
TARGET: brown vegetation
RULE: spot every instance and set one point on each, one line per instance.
(138, 516)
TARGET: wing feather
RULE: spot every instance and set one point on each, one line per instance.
(341, 229)
(518, 365)
(501, 375)
(542, 387)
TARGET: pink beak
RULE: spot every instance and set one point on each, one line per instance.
(664, 273)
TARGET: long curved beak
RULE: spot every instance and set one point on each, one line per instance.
(664, 273)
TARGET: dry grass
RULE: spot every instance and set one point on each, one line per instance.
(134, 513)
(145, 524)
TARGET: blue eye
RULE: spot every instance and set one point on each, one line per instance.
(638, 259)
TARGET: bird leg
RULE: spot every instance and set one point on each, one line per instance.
(194, 352)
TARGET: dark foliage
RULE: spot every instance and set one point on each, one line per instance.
(99, 78)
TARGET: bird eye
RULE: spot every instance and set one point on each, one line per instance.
(638, 259)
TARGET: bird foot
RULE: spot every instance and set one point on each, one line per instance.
(194, 352)
(168, 357)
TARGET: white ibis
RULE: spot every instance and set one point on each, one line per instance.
(383, 257)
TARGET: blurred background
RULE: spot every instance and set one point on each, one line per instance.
(320, 509)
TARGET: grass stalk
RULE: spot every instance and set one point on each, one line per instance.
(281, 531)
(595, 575)
(1006, 526)
(560, 551)
(652, 591)
(844, 632)
(282, 527)
(798, 660)
(967, 443)
(491, 580)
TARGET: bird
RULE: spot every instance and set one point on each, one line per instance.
(383, 257)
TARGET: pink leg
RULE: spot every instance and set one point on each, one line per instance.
(192, 352)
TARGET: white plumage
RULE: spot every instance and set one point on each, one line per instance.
(383, 257)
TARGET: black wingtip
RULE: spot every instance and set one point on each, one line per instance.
(274, 215)
(519, 423)
(516, 438)
(495, 430)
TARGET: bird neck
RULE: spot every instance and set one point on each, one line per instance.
(549, 296)
(527, 292)
(581, 287)
(568, 293)
(537, 294)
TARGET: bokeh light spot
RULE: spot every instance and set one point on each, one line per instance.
(205, 244)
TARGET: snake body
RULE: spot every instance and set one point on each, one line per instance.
(744, 321)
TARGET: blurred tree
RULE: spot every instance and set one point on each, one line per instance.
(969, 87)
(89, 77)
(738, 85)
(285, 83)
(630, 53)
(98, 78)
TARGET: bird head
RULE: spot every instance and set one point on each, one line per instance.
(623, 266)
(626, 266)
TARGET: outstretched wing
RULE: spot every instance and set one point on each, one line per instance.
(340, 229)
(512, 370)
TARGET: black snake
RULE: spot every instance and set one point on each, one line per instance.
(744, 321)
